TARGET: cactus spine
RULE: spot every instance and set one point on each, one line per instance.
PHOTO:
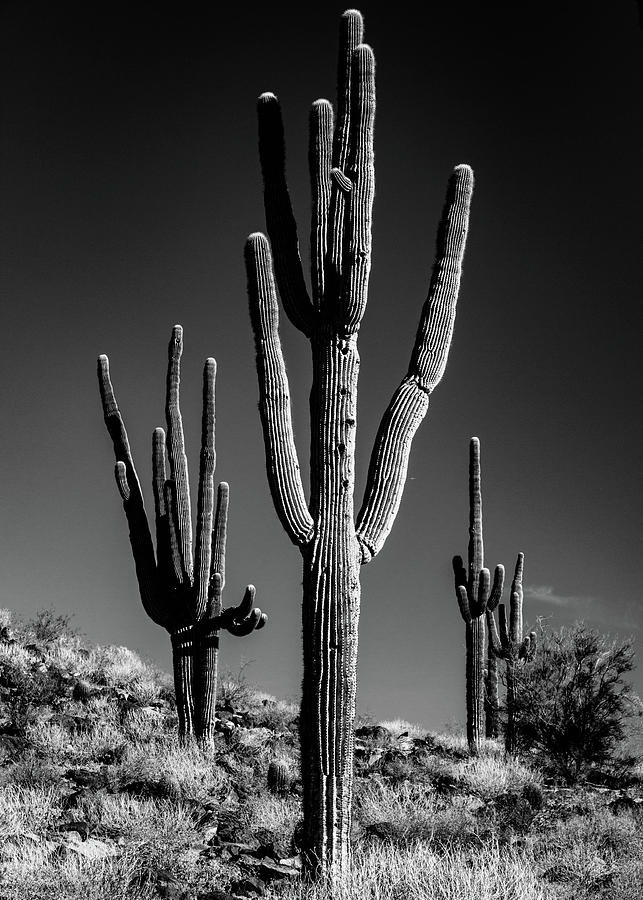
(332, 544)
(181, 588)
(511, 646)
(474, 592)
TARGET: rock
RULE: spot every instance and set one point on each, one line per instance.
(92, 848)
(82, 691)
(248, 885)
(270, 870)
(215, 895)
(626, 803)
(446, 783)
(229, 829)
(85, 777)
(236, 848)
(10, 746)
(77, 827)
(168, 886)
(376, 733)
(385, 831)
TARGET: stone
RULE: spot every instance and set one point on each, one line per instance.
(270, 870)
(248, 885)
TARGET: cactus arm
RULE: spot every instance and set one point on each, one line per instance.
(505, 638)
(350, 36)
(320, 161)
(175, 558)
(476, 547)
(220, 532)
(459, 571)
(205, 502)
(280, 221)
(496, 591)
(516, 600)
(530, 643)
(282, 463)
(132, 496)
(435, 330)
(243, 619)
(361, 168)
(494, 637)
(410, 402)
(484, 587)
(159, 476)
(463, 603)
(176, 450)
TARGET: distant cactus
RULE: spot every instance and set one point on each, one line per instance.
(474, 592)
(333, 544)
(279, 779)
(181, 587)
(511, 646)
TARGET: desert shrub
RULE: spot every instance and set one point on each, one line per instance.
(48, 625)
(233, 689)
(573, 701)
(23, 690)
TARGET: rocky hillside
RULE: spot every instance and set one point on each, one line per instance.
(98, 800)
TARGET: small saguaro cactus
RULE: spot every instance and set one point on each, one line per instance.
(332, 542)
(278, 778)
(181, 586)
(474, 592)
(511, 646)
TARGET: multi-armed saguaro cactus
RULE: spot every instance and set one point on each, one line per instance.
(181, 589)
(510, 645)
(333, 546)
(474, 592)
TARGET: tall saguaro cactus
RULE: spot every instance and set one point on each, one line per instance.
(181, 585)
(511, 646)
(333, 545)
(474, 592)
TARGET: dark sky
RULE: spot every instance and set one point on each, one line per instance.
(130, 180)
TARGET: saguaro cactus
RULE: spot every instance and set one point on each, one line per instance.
(511, 646)
(181, 588)
(332, 544)
(474, 592)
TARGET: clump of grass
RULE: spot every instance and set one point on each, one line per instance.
(170, 769)
(490, 775)
(22, 809)
(398, 727)
(416, 872)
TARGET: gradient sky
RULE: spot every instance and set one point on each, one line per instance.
(130, 180)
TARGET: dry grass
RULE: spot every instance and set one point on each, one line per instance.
(418, 873)
(491, 775)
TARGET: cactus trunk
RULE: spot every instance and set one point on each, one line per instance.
(492, 701)
(330, 610)
(475, 650)
(183, 669)
(510, 728)
(206, 669)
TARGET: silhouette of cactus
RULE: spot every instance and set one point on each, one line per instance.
(474, 592)
(511, 646)
(278, 777)
(181, 590)
(332, 544)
